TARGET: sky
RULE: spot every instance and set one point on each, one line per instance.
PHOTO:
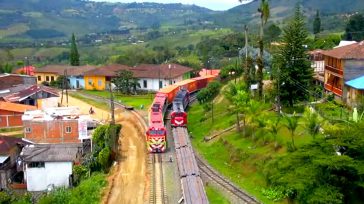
(218, 5)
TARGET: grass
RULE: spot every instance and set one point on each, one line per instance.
(130, 100)
(333, 111)
(14, 29)
(214, 196)
(240, 158)
(97, 104)
(11, 129)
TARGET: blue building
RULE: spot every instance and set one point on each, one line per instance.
(75, 76)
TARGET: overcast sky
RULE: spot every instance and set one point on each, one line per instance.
(211, 4)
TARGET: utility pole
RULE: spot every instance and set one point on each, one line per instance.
(66, 79)
(246, 41)
(112, 105)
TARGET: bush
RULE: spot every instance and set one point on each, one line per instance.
(104, 158)
(5, 198)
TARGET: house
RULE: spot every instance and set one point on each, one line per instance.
(355, 88)
(11, 80)
(318, 65)
(74, 74)
(10, 148)
(47, 166)
(99, 78)
(27, 94)
(58, 125)
(345, 43)
(154, 77)
(27, 70)
(342, 65)
(11, 113)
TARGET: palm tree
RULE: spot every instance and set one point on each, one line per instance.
(264, 15)
(312, 123)
(254, 112)
(238, 99)
(292, 124)
(273, 127)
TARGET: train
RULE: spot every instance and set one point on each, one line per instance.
(179, 93)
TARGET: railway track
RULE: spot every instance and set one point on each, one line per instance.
(240, 196)
(157, 195)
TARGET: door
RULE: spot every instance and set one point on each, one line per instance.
(77, 84)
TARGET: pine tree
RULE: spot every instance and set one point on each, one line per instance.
(74, 56)
(317, 23)
(295, 72)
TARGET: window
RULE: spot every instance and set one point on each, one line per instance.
(36, 165)
(39, 78)
(52, 78)
(145, 84)
(90, 82)
(160, 84)
(68, 129)
(28, 130)
(100, 82)
(47, 78)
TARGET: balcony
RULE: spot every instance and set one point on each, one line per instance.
(334, 90)
(334, 70)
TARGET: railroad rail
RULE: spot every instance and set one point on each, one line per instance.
(157, 195)
(240, 196)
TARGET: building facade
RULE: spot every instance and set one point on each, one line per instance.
(11, 113)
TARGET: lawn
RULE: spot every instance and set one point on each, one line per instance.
(240, 158)
(215, 197)
(130, 100)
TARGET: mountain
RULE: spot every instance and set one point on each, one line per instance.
(282, 9)
(42, 19)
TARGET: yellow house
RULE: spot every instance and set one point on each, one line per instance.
(95, 82)
(49, 73)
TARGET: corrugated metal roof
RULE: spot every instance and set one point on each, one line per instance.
(51, 152)
(357, 83)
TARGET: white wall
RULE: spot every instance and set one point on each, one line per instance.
(318, 66)
(152, 84)
(56, 173)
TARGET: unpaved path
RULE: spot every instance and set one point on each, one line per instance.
(128, 180)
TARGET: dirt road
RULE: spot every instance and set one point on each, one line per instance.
(128, 179)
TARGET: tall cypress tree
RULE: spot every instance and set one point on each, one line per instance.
(74, 56)
(295, 72)
(317, 23)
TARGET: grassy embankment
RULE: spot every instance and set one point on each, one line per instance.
(214, 196)
(131, 100)
(239, 157)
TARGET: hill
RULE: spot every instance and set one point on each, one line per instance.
(23, 20)
(282, 9)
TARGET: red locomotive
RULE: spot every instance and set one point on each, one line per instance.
(178, 93)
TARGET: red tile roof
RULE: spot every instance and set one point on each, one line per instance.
(353, 51)
(28, 70)
(15, 107)
(71, 70)
(150, 71)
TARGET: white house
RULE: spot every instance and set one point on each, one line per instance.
(49, 165)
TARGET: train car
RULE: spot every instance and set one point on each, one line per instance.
(157, 133)
(180, 103)
(188, 84)
(170, 92)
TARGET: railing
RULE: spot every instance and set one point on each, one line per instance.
(334, 70)
(333, 89)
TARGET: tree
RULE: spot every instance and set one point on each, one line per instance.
(292, 64)
(6, 68)
(317, 23)
(354, 28)
(272, 33)
(249, 72)
(312, 122)
(74, 56)
(124, 81)
(291, 125)
(273, 127)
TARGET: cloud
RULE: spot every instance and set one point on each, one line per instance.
(211, 4)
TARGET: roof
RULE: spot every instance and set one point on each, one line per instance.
(345, 43)
(27, 91)
(353, 51)
(15, 107)
(11, 80)
(7, 143)
(205, 72)
(28, 70)
(60, 69)
(357, 83)
(51, 152)
(108, 70)
(149, 71)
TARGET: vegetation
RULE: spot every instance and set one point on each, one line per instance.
(317, 23)
(354, 28)
(125, 82)
(74, 56)
(214, 196)
(293, 70)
